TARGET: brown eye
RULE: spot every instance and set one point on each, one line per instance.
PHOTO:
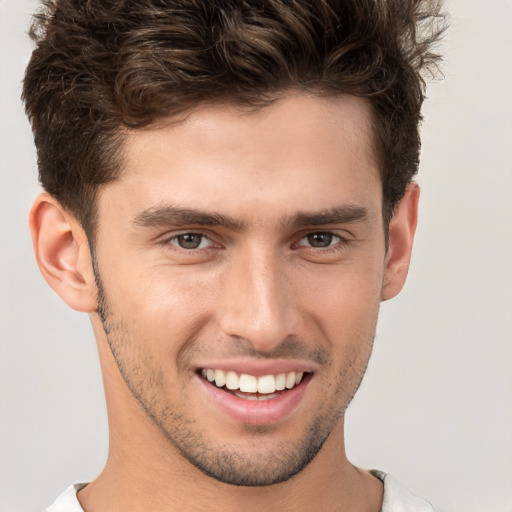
(190, 241)
(321, 240)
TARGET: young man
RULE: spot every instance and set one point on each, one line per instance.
(228, 195)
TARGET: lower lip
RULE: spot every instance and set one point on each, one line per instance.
(256, 412)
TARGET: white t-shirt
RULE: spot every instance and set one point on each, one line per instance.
(396, 498)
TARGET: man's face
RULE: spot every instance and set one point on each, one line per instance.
(243, 250)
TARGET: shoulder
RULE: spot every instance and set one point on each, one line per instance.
(67, 501)
(397, 498)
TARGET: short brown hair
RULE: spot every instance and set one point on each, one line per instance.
(101, 66)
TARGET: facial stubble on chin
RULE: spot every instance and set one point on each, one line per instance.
(222, 462)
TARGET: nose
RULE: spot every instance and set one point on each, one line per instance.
(259, 302)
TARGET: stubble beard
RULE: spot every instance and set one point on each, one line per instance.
(144, 378)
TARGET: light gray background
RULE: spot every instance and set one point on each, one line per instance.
(435, 409)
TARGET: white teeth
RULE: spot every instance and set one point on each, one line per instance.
(248, 383)
(256, 397)
(220, 378)
(280, 381)
(266, 385)
(290, 380)
(232, 380)
(246, 397)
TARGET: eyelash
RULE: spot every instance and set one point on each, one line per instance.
(170, 240)
(340, 245)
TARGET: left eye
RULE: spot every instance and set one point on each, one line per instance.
(190, 241)
(320, 240)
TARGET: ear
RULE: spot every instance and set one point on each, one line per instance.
(62, 253)
(401, 235)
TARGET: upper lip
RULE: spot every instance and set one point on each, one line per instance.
(260, 367)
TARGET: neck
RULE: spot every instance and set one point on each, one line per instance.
(144, 471)
(145, 475)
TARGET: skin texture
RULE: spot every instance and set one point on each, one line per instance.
(255, 289)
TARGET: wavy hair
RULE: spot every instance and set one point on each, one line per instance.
(102, 66)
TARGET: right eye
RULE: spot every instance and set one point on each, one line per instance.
(190, 241)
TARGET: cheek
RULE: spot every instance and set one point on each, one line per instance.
(344, 301)
(162, 304)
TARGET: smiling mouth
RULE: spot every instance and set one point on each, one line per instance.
(250, 387)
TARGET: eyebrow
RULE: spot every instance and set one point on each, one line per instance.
(345, 214)
(176, 216)
(172, 215)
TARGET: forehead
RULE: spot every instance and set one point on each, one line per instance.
(299, 148)
(293, 119)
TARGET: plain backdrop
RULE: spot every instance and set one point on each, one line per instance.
(435, 409)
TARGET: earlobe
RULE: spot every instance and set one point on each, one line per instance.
(62, 253)
(401, 236)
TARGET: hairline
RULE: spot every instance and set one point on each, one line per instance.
(122, 134)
